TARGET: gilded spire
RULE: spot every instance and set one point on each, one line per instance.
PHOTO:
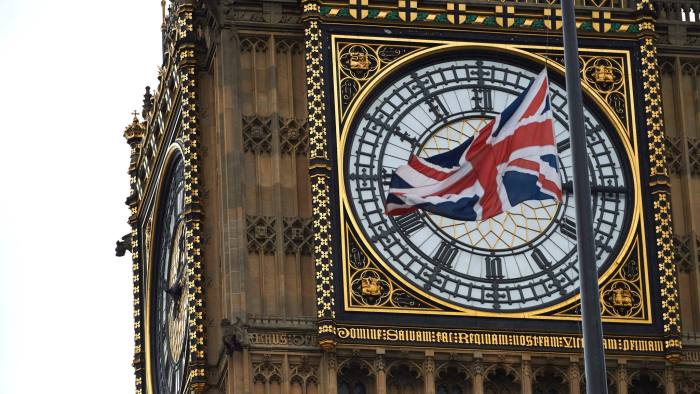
(135, 131)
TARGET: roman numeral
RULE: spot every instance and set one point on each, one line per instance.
(563, 145)
(494, 268)
(540, 259)
(445, 255)
(544, 264)
(410, 223)
(443, 258)
(568, 228)
(435, 105)
(483, 99)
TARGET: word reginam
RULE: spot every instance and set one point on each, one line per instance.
(492, 339)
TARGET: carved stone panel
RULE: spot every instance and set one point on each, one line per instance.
(257, 134)
(683, 251)
(298, 236)
(294, 138)
(261, 234)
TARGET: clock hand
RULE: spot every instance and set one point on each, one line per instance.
(569, 188)
(175, 292)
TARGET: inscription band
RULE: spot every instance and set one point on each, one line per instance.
(480, 338)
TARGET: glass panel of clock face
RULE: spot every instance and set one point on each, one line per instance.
(170, 323)
(519, 260)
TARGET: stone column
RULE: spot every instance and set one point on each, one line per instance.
(429, 372)
(622, 379)
(286, 384)
(332, 364)
(478, 375)
(526, 375)
(669, 380)
(574, 376)
(379, 367)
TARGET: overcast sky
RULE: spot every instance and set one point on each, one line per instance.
(71, 72)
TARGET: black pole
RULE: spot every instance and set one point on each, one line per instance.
(593, 353)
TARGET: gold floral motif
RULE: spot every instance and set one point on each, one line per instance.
(320, 188)
(191, 137)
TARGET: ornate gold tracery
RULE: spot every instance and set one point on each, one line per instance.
(359, 63)
(370, 287)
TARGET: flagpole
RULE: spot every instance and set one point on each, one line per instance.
(593, 353)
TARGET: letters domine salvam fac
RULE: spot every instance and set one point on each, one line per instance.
(264, 262)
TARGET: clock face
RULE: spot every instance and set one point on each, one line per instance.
(520, 260)
(170, 288)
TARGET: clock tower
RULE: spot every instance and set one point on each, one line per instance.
(263, 257)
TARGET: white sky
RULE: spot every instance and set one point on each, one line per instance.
(71, 72)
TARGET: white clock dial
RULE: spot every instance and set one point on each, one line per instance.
(517, 261)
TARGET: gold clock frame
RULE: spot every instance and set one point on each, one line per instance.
(626, 131)
(173, 151)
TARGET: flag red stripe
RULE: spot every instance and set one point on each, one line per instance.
(536, 102)
(427, 171)
(401, 211)
(551, 186)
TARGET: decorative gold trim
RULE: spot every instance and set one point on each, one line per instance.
(485, 15)
(319, 170)
(372, 57)
(443, 338)
(433, 47)
(175, 149)
(625, 295)
(661, 197)
(182, 49)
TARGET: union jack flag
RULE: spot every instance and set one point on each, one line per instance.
(510, 160)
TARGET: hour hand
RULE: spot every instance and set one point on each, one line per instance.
(174, 290)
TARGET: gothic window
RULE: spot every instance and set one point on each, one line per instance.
(267, 377)
(550, 381)
(612, 383)
(452, 380)
(645, 383)
(404, 379)
(351, 388)
(354, 378)
(448, 389)
(303, 378)
(501, 381)
(686, 383)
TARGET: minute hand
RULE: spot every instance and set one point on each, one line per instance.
(569, 188)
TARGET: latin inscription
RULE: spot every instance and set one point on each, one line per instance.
(434, 337)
